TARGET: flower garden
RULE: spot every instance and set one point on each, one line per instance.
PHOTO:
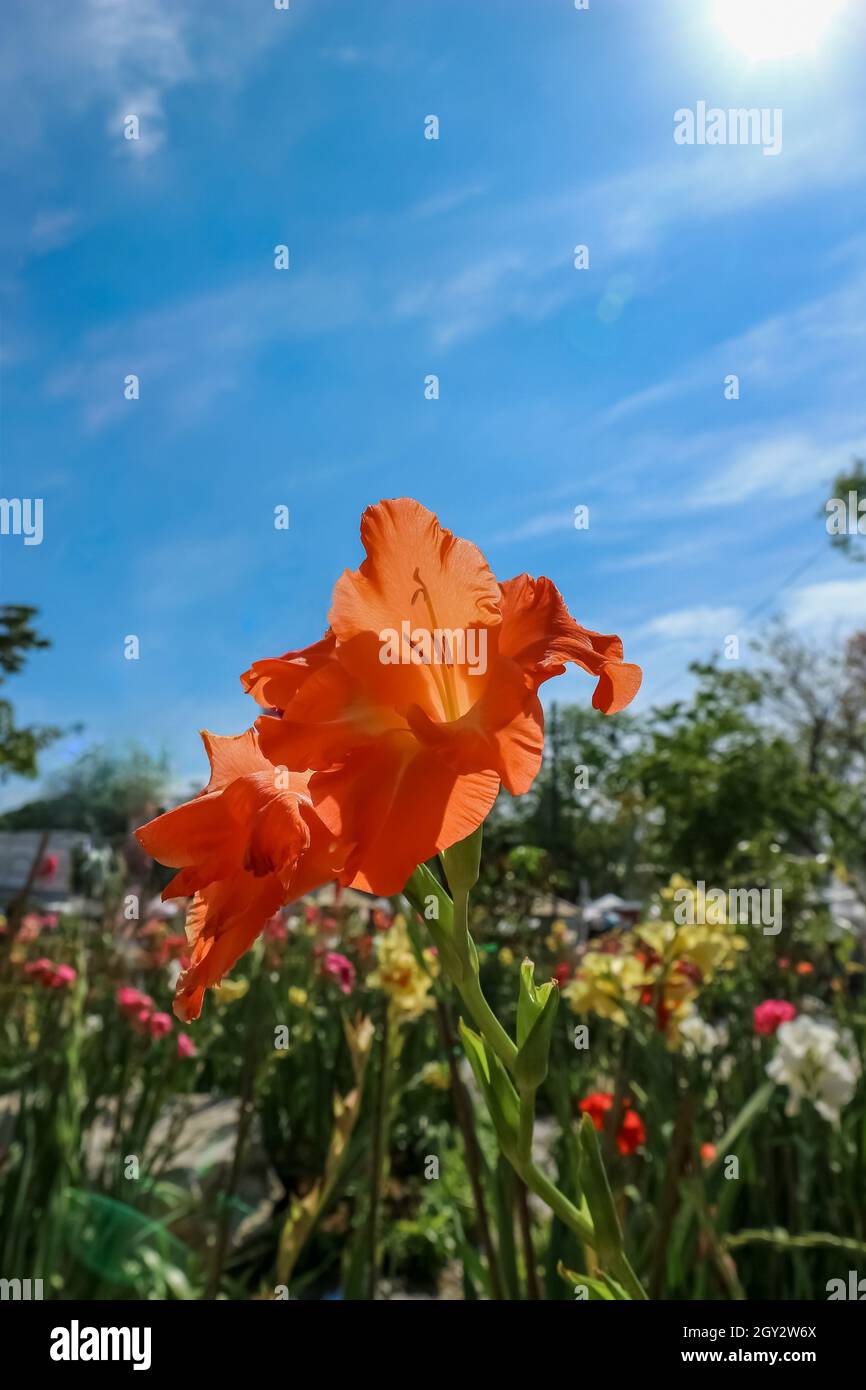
(355, 1050)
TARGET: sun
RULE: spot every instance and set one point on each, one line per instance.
(767, 29)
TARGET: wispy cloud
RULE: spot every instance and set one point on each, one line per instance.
(221, 331)
(441, 203)
(53, 228)
(123, 58)
(785, 465)
(690, 624)
(823, 606)
(545, 524)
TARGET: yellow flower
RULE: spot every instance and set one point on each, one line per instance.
(709, 948)
(298, 997)
(230, 991)
(506, 955)
(399, 974)
(604, 983)
(435, 1074)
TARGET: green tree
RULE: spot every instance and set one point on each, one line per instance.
(104, 792)
(843, 486)
(19, 746)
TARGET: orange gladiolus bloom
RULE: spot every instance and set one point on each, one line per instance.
(245, 845)
(422, 695)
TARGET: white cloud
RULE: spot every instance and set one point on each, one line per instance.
(664, 555)
(839, 603)
(544, 524)
(786, 464)
(441, 203)
(191, 351)
(122, 58)
(702, 622)
(52, 228)
(481, 293)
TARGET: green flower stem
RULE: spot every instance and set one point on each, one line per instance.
(558, 1202)
(470, 989)
(527, 1125)
(460, 963)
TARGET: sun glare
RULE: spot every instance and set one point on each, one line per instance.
(768, 29)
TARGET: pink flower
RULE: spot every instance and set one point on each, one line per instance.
(185, 1046)
(39, 969)
(158, 1025)
(341, 970)
(63, 976)
(130, 1001)
(276, 929)
(49, 975)
(771, 1013)
(50, 920)
(31, 926)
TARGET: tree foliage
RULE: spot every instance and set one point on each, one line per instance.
(19, 746)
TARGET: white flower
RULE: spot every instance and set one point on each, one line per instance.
(699, 1037)
(816, 1062)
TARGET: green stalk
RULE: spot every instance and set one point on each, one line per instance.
(449, 926)
(377, 1166)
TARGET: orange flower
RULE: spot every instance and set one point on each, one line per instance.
(422, 695)
(245, 845)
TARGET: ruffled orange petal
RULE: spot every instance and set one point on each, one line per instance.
(231, 756)
(250, 842)
(222, 924)
(329, 717)
(247, 817)
(539, 633)
(275, 681)
(396, 804)
(407, 548)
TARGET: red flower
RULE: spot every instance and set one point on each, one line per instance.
(37, 969)
(771, 1014)
(48, 867)
(562, 974)
(63, 976)
(632, 1133)
(689, 970)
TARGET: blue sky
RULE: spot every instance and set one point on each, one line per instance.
(410, 256)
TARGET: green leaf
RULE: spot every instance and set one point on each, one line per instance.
(499, 1093)
(596, 1188)
(536, 1011)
